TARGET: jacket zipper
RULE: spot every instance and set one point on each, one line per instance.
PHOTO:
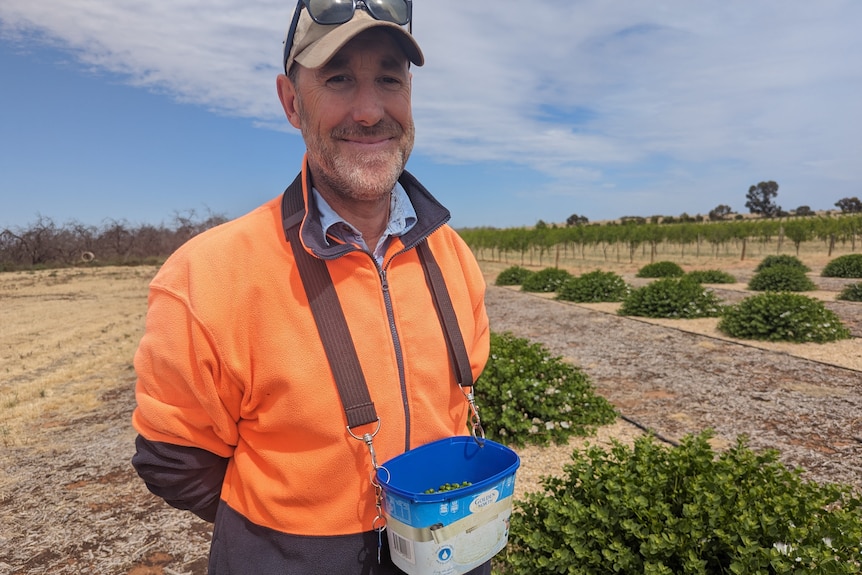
(393, 331)
(396, 340)
(399, 356)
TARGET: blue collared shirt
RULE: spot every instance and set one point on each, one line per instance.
(402, 217)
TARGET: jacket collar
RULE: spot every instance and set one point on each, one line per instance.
(430, 215)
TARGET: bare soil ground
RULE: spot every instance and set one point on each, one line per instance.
(70, 501)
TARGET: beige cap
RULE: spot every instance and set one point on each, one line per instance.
(314, 44)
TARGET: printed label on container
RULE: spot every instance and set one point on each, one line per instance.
(483, 500)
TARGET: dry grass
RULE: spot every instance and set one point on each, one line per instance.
(67, 336)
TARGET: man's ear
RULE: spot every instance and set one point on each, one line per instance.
(287, 95)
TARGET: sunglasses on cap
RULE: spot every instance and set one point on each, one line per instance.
(332, 12)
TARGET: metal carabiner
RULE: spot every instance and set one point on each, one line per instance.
(477, 431)
(379, 522)
(368, 439)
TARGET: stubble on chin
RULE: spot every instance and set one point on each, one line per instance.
(367, 176)
(362, 176)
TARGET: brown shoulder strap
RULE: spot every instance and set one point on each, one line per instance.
(332, 325)
(329, 317)
(446, 313)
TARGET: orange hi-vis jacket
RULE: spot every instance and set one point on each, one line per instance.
(238, 415)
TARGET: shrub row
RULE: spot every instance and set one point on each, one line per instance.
(650, 509)
(528, 396)
(776, 315)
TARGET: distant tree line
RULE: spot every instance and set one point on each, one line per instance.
(45, 244)
(760, 201)
(623, 239)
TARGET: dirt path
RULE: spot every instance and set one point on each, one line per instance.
(70, 502)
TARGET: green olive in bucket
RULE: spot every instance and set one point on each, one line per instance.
(448, 487)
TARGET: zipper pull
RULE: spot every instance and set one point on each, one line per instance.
(383, 280)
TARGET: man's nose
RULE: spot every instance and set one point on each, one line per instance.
(367, 106)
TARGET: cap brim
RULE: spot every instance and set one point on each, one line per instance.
(330, 39)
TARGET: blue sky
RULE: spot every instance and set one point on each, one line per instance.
(121, 110)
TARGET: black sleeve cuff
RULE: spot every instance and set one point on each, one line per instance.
(187, 478)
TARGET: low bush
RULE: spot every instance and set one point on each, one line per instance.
(661, 270)
(672, 298)
(512, 276)
(526, 396)
(597, 286)
(547, 280)
(782, 316)
(853, 292)
(781, 260)
(651, 509)
(849, 266)
(781, 278)
(711, 277)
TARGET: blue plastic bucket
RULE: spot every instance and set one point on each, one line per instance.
(449, 532)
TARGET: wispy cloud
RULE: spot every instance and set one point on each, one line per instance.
(594, 93)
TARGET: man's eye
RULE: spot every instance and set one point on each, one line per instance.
(337, 79)
(391, 81)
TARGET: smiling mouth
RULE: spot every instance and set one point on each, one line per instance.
(377, 134)
(369, 141)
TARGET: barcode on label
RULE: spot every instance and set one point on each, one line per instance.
(402, 546)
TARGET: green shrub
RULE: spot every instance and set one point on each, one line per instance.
(781, 278)
(781, 260)
(849, 266)
(672, 298)
(546, 280)
(650, 509)
(526, 396)
(512, 276)
(782, 316)
(597, 286)
(661, 270)
(853, 292)
(711, 277)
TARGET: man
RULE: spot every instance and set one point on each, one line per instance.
(239, 415)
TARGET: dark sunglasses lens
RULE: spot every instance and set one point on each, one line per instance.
(389, 10)
(327, 12)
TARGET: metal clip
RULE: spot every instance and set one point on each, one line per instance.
(477, 431)
(379, 522)
(367, 438)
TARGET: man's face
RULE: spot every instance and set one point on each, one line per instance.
(355, 116)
